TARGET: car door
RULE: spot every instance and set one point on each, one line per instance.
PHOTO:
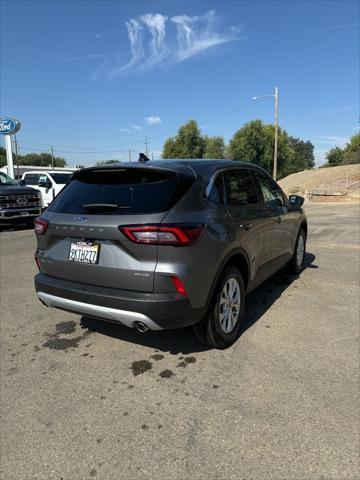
(47, 190)
(275, 205)
(251, 222)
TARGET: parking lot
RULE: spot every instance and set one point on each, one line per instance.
(85, 399)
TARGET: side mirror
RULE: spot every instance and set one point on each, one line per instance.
(43, 184)
(22, 183)
(296, 201)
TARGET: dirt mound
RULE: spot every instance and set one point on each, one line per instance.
(337, 183)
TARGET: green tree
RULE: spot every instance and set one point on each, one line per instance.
(352, 151)
(214, 147)
(254, 143)
(188, 143)
(41, 160)
(2, 157)
(304, 154)
(107, 162)
(334, 156)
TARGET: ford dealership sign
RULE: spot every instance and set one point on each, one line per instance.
(9, 126)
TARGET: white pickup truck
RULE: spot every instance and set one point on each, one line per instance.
(48, 182)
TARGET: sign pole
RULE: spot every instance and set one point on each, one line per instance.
(9, 157)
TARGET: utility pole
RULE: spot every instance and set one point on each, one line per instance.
(276, 97)
(146, 146)
(52, 157)
(16, 155)
(129, 155)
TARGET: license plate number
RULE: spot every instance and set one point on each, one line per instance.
(84, 252)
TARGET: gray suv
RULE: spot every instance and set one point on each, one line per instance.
(167, 244)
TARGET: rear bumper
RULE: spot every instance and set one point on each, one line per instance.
(156, 311)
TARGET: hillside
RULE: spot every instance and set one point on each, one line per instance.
(324, 179)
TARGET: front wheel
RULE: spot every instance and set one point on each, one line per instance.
(221, 327)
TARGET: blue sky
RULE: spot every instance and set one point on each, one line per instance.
(93, 78)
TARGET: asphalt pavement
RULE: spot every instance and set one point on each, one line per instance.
(85, 399)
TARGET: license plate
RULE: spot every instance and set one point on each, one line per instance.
(24, 214)
(84, 252)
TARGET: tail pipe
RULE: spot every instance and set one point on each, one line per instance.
(141, 327)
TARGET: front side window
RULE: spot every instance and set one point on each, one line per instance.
(240, 189)
(270, 191)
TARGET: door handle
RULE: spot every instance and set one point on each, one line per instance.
(277, 219)
(245, 226)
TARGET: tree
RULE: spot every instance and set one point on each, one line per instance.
(188, 143)
(334, 156)
(2, 157)
(254, 143)
(214, 147)
(352, 150)
(304, 154)
(107, 162)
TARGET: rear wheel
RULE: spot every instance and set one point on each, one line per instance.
(221, 327)
(296, 264)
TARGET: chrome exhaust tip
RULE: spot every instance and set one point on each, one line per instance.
(141, 327)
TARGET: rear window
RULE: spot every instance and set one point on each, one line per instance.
(125, 191)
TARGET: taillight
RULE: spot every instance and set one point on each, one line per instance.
(178, 285)
(162, 234)
(40, 225)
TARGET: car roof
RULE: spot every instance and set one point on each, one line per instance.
(46, 171)
(203, 168)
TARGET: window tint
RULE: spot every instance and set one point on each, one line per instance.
(32, 179)
(216, 193)
(133, 191)
(61, 178)
(240, 188)
(270, 191)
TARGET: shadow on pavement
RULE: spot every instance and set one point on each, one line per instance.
(183, 341)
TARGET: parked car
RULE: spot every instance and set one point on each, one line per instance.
(49, 183)
(167, 244)
(17, 204)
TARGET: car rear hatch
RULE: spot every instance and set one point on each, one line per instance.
(83, 242)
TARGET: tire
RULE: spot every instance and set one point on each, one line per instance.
(30, 223)
(219, 329)
(296, 264)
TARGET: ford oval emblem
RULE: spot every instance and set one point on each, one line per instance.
(80, 219)
(8, 126)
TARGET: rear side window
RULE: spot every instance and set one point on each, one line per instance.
(121, 191)
(240, 188)
(216, 190)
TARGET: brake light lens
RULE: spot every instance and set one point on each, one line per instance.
(178, 285)
(40, 225)
(162, 234)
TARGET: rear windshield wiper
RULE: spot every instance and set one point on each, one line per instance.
(104, 207)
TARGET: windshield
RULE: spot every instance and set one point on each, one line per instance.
(61, 178)
(6, 180)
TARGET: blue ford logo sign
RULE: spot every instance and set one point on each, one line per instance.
(9, 126)
(80, 219)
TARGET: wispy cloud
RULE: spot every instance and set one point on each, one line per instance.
(154, 40)
(94, 56)
(135, 127)
(333, 140)
(197, 34)
(125, 130)
(152, 119)
(344, 25)
(336, 110)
